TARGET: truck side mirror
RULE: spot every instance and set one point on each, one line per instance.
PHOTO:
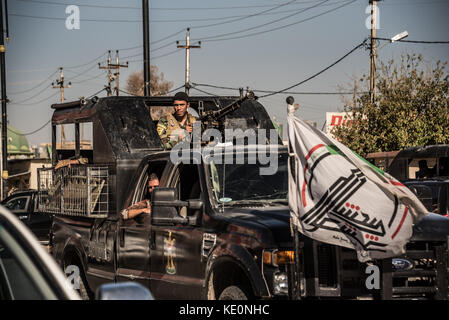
(164, 207)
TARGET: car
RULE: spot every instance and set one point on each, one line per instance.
(23, 204)
(28, 272)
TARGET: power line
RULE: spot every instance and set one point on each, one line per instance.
(264, 24)
(32, 132)
(36, 86)
(270, 91)
(176, 89)
(34, 103)
(88, 79)
(414, 41)
(234, 19)
(33, 96)
(202, 91)
(95, 93)
(80, 5)
(83, 20)
(157, 57)
(160, 8)
(318, 73)
(280, 27)
(87, 63)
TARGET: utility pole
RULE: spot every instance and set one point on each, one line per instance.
(113, 76)
(4, 168)
(187, 46)
(60, 85)
(146, 48)
(110, 76)
(372, 78)
(117, 67)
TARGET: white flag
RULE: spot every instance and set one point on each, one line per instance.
(337, 197)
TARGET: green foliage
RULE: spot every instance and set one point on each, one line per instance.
(411, 109)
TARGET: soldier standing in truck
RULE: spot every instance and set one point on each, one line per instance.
(143, 206)
(175, 127)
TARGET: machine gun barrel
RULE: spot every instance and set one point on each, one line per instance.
(218, 114)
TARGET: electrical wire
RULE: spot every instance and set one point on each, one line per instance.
(318, 73)
(205, 92)
(88, 79)
(280, 27)
(32, 132)
(266, 23)
(33, 96)
(244, 17)
(268, 91)
(34, 103)
(87, 63)
(414, 41)
(160, 56)
(96, 93)
(83, 20)
(36, 86)
(159, 8)
(176, 89)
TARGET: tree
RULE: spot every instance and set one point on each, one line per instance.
(411, 109)
(158, 87)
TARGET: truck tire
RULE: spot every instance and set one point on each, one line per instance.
(233, 293)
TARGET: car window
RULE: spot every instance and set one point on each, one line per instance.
(20, 278)
(19, 204)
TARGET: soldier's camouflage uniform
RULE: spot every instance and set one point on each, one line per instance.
(168, 129)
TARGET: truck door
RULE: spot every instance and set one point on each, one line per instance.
(177, 270)
(133, 243)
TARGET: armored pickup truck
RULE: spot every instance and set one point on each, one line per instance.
(218, 228)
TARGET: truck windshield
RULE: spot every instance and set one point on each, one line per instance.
(239, 184)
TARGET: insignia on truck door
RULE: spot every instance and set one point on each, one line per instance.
(170, 254)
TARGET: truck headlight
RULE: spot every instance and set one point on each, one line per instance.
(276, 257)
(280, 283)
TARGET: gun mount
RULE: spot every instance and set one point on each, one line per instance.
(213, 118)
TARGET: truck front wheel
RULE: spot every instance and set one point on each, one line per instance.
(233, 293)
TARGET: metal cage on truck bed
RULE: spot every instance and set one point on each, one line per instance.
(80, 190)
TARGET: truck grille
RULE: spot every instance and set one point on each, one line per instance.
(427, 278)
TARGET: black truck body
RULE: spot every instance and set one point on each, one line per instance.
(197, 243)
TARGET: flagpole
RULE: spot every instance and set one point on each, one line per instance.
(297, 292)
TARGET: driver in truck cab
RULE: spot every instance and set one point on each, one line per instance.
(174, 127)
(143, 206)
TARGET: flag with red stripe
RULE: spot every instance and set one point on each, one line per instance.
(337, 197)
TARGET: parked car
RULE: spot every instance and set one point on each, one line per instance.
(23, 204)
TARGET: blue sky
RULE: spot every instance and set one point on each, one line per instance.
(262, 58)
